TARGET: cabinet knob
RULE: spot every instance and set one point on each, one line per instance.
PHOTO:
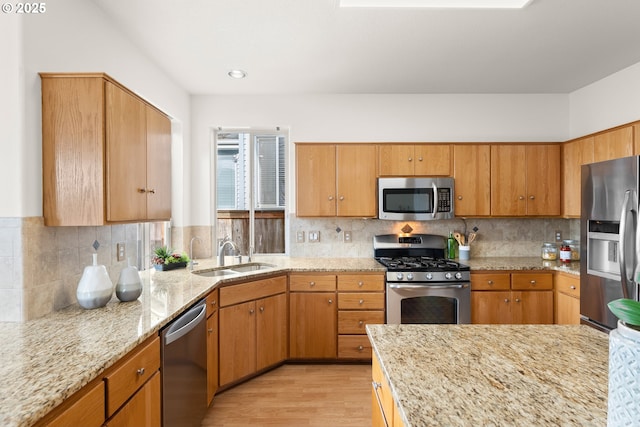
(213, 302)
(341, 198)
(459, 197)
(517, 299)
(521, 198)
(142, 190)
(360, 348)
(361, 323)
(533, 282)
(490, 282)
(360, 284)
(506, 300)
(572, 287)
(140, 371)
(152, 191)
(210, 330)
(410, 159)
(532, 197)
(251, 311)
(361, 302)
(330, 197)
(312, 284)
(330, 301)
(419, 159)
(261, 309)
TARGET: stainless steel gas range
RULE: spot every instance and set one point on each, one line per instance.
(423, 286)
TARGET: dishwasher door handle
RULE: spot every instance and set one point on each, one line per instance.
(183, 325)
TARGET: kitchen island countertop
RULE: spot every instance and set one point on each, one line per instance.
(459, 375)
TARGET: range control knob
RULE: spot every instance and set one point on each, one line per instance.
(458, 275)
(409, 276)
(399, 276)
(429, 276)
(448, 276)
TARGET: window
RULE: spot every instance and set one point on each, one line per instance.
(250, 189)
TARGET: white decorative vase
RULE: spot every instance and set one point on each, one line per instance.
(95, 288)
(129, 286)
(624, 377)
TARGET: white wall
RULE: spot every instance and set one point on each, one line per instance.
(11, 116)
(76, 36)
(374, 118)
(609, 102)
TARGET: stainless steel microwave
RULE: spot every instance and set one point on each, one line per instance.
(415, 199)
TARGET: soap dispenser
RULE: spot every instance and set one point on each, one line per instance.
(95, 288)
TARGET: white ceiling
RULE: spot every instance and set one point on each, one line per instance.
(313, 46)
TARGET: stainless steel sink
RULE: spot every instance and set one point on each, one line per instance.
(233, 269)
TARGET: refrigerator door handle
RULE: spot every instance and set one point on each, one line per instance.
(627, 207)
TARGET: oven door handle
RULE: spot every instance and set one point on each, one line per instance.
(423, 287)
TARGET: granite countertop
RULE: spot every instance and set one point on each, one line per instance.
(521, 263)
(495, 374)
(46, 360)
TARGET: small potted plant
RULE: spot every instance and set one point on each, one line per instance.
(167, 259)
(624, 371)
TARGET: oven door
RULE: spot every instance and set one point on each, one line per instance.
(429, 303)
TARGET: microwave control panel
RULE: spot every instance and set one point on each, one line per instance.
(444, 200)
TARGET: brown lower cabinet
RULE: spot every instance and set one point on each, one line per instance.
(567, 299)
(512, 298)
(212, 344)
(385, 411)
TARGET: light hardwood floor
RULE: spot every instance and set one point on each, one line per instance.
(297, 395)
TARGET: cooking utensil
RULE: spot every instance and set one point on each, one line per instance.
(472, 237)
(459, 237)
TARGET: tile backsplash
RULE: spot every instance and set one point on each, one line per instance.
(40, 267)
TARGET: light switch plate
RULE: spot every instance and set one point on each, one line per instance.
(347, 236)
(314, 236)
(300, 237)
(120, 247)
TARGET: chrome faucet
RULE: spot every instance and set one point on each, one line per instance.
(222, 248)
(193, 261)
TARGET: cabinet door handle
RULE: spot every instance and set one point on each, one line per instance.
(506, 300)
(341, 198)
(360, 348)
(152, 191)
(532, 197)
(410, 159)
(572, 287)
(517, 299)
(261, 309)
(140, 371)
(312, 284)
(490, 282)
(330, 301)
(360, 284)
(361, 302)
(533, 282)
(361, 323)
(419, 159)
(251, 311)
(459, 197)
(142, 190)
(210, 330)
(213, 302)
(330, 197)
(521, 198)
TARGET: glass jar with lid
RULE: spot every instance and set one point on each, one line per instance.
(549, 251)
(574, 246)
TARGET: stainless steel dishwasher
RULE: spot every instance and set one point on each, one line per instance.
(184, 368)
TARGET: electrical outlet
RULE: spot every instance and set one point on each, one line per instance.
(314, 236)
(558, 236)
(120, 247)
(347, 236)
(300, 237)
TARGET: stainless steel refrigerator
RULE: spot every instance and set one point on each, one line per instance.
(609, 238)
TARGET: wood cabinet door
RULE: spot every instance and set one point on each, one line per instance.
(126, 169)
(356, 180)
(158, 165)
(567, 309)
(271, 331)
(532, 307)
(490, 307)
(237, 337)
(574, 155)
(508, 180)
(613, 144)
(143, 409)
(313, 325)
(315, 180)
(212, 356)
(472, 173)
(543, 179)
(396, 160)
(432, 160)
(88, 410)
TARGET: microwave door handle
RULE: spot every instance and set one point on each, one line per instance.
(626, 208)
(435, 199)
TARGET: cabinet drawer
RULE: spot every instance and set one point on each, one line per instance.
(532, 281)
(212, 302)
(354, 347)
(361, 282)
(235, 294)
(360, 301)
(129, 376)
(312, 282)
(568, 285)
(490, 281)
(354, 322)
(87, 411)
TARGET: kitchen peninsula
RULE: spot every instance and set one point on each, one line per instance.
(494, 374)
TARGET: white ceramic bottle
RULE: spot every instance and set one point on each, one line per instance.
(129, 286)
(95, 288)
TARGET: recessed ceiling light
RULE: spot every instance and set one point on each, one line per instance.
(444, 4)
(237, 74)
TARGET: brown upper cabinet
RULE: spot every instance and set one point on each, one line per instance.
(336, 180)
(472, 174)
(525, 180)
(415, 160)
(106, 153)
(574, 154)
(613, 144)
